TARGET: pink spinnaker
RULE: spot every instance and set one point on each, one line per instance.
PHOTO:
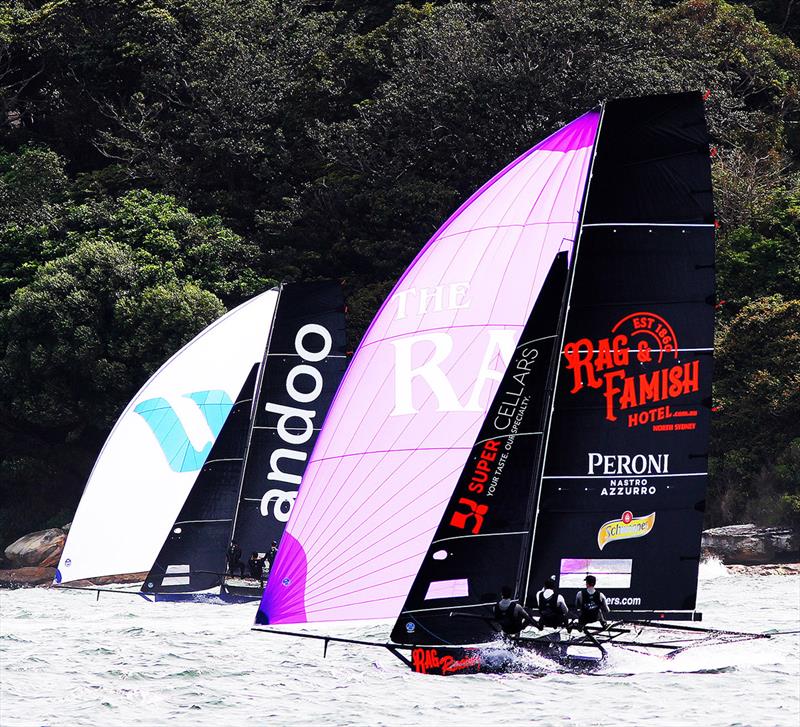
(415, 395)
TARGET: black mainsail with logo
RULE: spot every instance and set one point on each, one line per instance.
(246, 488)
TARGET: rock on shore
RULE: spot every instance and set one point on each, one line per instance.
(772, 569)
(751, 545)
(42, 548)
(27, 577)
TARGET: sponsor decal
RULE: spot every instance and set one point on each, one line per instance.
(506, 421)
(636, 367)
(284, 501)
(181, 455)
(425, 661)
(474, 511)
(610, 572)
(295, 424)
(614, 601)
(625, 528)
(628, 464)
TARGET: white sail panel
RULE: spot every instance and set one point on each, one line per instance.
(153, 455)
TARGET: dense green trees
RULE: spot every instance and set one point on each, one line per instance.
(164, 159)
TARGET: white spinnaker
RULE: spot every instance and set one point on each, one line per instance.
(133, 495)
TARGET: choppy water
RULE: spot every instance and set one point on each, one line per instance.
(67, 659)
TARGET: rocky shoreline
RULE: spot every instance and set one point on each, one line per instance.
(31, 560)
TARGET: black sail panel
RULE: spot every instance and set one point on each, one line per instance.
(623, 491)
(305, 361)
(479, 544)
(193, 555)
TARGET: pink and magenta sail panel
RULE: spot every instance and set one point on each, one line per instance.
(415, 395)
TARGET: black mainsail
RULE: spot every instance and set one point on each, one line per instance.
(624, 483)
(304, 362)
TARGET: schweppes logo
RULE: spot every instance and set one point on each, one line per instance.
(626, 527)
(647, 343)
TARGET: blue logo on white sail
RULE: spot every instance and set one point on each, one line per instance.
(215, 405)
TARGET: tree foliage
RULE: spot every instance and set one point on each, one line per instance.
(165, 159)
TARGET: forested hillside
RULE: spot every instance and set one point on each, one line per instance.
(163, 160)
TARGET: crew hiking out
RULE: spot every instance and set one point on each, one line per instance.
(553, 611)
(590, 604)
(511, 617)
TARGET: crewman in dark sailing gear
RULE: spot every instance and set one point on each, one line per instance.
(235, 559)
(273, 551)
(509, 614)
(590, 604)
(553, 611)
(254, 565)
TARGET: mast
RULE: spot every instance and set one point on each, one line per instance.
(555, 367)
(251, 427)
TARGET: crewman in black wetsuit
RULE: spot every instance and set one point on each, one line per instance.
(590, 604)
(235, 559)
(509, 614)
(254, 565)
(553, 611)
(271, 553)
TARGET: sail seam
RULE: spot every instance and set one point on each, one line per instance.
(449, 608)
(536, 340)
(507, 226)
(297, 355)
(662, 350)
(443, 328)
(391, 451)
(503, 436)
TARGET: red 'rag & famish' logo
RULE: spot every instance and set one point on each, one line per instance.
(644, 340)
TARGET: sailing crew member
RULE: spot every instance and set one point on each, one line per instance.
(273, 551)
(235, 559)
(509, 614)
(254, 565)
(591, 604)
(553, 611)
(264, 574)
